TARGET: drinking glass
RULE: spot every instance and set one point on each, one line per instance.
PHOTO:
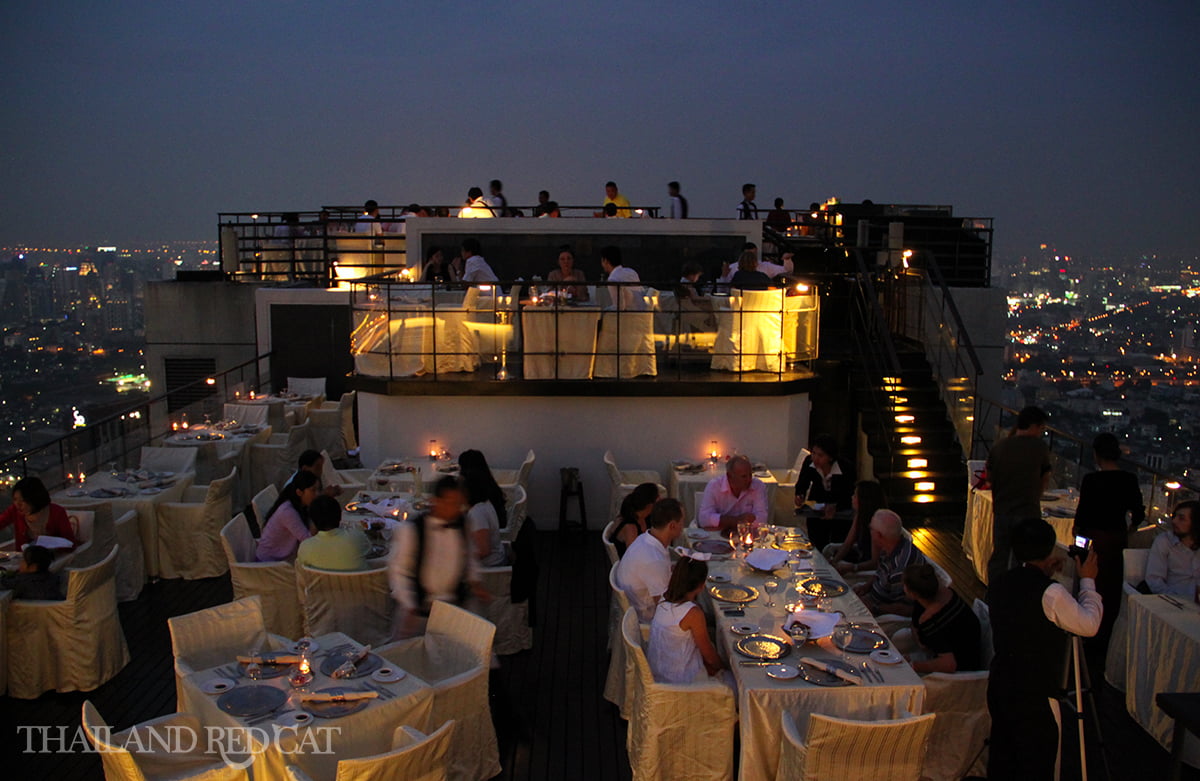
(772, 587)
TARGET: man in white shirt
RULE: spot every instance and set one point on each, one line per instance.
(735, 497)
(677, 205)
(475, 268)
(773, 270)
(1174, 563)
(369, 221)
(628, 296)
(476, 207)
(1031, 615)
(645, 569)
(433, 562)
(498, 203)
(747, 209)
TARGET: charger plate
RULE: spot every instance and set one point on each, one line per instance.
(733, 592)
(765, 648)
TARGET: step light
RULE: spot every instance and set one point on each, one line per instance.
(916, 474)
(925, 486)
(905, 418)
(918, 463)
(923, 498)
(911, 440)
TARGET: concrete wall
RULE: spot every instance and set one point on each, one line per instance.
(643, 433)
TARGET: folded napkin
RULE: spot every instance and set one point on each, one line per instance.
(270, 659)
(344, 696)
(819, 624)
(51, 542)
(766, 558)
(688, 553)
(838, 671)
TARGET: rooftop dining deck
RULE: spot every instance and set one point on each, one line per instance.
(547, 703)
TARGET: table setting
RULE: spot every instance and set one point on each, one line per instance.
(329, 681)
(798, 638)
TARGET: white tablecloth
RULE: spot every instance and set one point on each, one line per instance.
(762, 699)
(631, 336)
(565, 336)
(684, 485)
(144, 503)
(406, 347)
(977, 531)
(360, 734)
(750, 331)
(210, 451)
(1163, 656)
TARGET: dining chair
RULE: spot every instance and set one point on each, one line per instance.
(618, 478)
(454, 657)
(100, 532)
(837, 749)
(675, 730)
(131, 561)
(73, 645)
(81, 526)
(156, 759)
(328, 429)
(616, 684)
(189, 531)
(509, 478)
(610, 549)
(306, 386)
(513, 633)
(415, 756)
(516, 506)
(262, 502)
(357, 604)
(785, 492)
(274, 582)
(215, 635)
(962, 725)
(254, 414)
(168, 459)
(271, 463)
(351, 481)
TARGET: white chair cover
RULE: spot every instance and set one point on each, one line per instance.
(131, 562)
(750, 336)
(846, 750)
(358, 604)
(962, 726)
(617, 686)
(275, 461)
(984, 615)
(414, 757)
(326, 431)
(619, 478)
(262, 502)
(454, 657)
(510, 478)
(350, 481)
(346, 405)
(306, 386)
(189, 544)
(98, 533)
(625, 345)
(513, 632)
(1118, 643)
(609, 548)
(254, 414)
(81, 525)
(73, 645)
(676, 731)
(207, 638)
(169, 459)
(157, 762)
(274, 582)
(516, 505)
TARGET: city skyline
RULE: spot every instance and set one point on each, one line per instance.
(142, 121)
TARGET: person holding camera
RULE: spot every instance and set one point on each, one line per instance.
(1032, 618)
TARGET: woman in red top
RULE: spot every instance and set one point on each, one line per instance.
(32, 515)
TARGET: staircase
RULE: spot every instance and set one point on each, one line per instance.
(917, 457)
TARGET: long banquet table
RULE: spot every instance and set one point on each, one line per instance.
(1163, 656)
(408, 701)
(762, 699)
(1058, 511)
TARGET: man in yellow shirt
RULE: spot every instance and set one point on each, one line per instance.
(611, 195)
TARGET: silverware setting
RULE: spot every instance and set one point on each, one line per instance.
(757, 664)
(870, 673)
(1172, 600)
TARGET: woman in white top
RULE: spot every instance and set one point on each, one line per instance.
(680, 649)
(487, 506)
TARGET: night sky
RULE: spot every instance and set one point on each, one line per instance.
(1069, 122)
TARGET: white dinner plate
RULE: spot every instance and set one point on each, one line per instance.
(886, 656)
(217, 685)
(388, 674)
(784, 672)
(295, 718)
(744, 629)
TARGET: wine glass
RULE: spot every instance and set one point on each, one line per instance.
(772, 587)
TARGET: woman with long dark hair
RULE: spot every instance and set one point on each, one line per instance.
(635, 508)
(287, 521)
(680, 650)
(856, 548)
(32, 514)
(487, 513)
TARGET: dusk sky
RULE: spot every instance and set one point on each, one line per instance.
(1069, 122)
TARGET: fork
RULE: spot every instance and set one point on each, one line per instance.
(869, 673)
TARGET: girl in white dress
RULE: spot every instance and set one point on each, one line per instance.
(680, 649)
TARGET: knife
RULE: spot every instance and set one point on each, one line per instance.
(1171, 599)
(757, 664)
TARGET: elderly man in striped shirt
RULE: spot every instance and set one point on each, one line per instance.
(885, 592)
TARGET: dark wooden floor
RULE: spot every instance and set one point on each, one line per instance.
(551, 718)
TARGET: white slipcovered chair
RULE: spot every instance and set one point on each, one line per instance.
(306, 386)
(513, 632)
(262, 503)
(350, 481)
(454, 657)
(358, 604)
(93, 537)
(1118, 649)
(750, 336)
(509, 478)
(609, 548)
(516, 507)
(82, 522)
(155, 760)
(677, 731)
(131, 562)
(619, 478)
(73, 645)
(625, 343)
(168, 459)
(274, 461)
(616, 685)
(846, 750)
(274, 582)
(211, 637)
(961, 727)
(189, 532)
(414, 757)
(254, 414)
(785, 490)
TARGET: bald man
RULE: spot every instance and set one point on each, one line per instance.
(885, 593)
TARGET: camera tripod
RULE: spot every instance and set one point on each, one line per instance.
(1076, 673)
